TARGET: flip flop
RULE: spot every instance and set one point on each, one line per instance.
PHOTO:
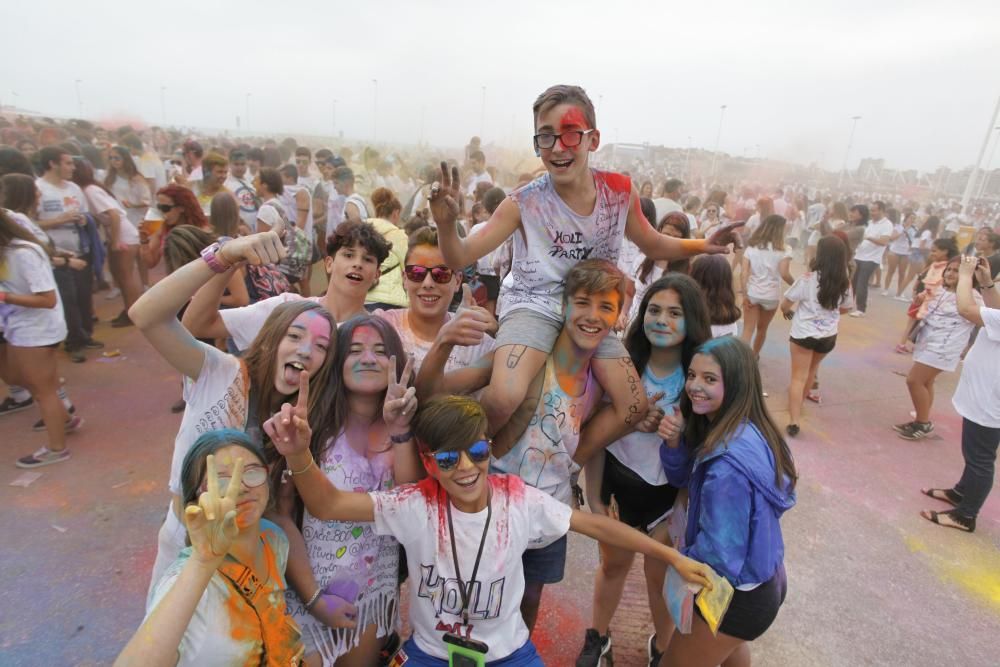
(959, 522)
(944, 495)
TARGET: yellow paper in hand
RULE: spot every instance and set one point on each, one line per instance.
(714, 603)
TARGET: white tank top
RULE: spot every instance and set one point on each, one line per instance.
(553, 238)
(287, 199)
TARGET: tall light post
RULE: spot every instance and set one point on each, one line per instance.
(246, 116)
(718, 137)
(79, 98)
(163, 104)
(333, 118)
(967, 195)
(847, 153)
(482, 114)
(375, 111)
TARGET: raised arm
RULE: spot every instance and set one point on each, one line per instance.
(660, 246)
(398, 408)
(155, 313)
(444, 203)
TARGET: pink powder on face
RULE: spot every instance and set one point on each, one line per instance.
(573, 119)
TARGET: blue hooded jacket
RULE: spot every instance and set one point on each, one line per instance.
(734, 506)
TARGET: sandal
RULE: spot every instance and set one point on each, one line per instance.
(944, 495)
(814, 397)
(956, 521)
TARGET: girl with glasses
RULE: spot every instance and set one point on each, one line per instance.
(222, 599)
(344, 575)
(464, 531)
(175, 205)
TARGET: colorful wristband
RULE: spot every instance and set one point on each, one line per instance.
(694, 246)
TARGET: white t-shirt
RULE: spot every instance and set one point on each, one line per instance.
(475, 180)
(812, 320)
(640, 452)
(29, 224)
(944, 333)
(101, 202)
(244, 323)
(287, 199)
(270, 213)
(663, 206)
(217, 399)
(134, 191)
(25, 269)
(484, 265)
(416, 515)
(923, 243)
(543, 456)
(765, 278)
(246, 197)
(57, 200)
(460, 357)
(151, 166)
(872, 252)
(977, 397)
(901, 244)
(334, 211)
(213, 635)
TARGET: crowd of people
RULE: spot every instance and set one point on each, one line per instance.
(490, 352)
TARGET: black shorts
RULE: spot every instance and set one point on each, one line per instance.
(819, 345)
(751, 613)
(492, 284)
(639, 502)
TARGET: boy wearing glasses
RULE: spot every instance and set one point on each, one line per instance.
(545, 455)
(464, 531)
(570, 213)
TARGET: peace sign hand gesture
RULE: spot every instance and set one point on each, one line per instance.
(446, 196)
(211, 524)
(289, 428)
(400, 402)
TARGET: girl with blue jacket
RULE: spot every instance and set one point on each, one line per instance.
(726, 449)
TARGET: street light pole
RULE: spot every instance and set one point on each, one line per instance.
(482, 114)
(375, 112)
(163, 104)
(970, 185)
(847, 153)
(718, 137)
(79, 98)
(333, 119)
(246, 117)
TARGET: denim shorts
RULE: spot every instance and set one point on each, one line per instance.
(545, 565)
(539, 332)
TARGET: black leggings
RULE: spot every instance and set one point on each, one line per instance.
(76, 291)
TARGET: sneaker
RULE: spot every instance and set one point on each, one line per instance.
(904, 299)
(595, 647)
(93, 344)
(902, 428)
(113, 294)
(42, 457)
(76, 356)
(10, 406)
(654, 655)
(885, 292)
(857, 313)
(40, 424)
(916, 431)
(122, 320)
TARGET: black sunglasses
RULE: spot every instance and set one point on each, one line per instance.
(166, 208)
(417, 273)
(477, 452)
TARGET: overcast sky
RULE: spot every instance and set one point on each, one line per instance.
(924, 75)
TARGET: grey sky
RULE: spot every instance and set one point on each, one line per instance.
(924, 75)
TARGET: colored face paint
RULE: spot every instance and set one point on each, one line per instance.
(663, 322)
(303, 348)
(704, 385)
(365, 366)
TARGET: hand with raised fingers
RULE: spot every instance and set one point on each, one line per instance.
(651, 422)
(469, 323)
(445, 198)
(400, 399)
(257, 249)
(211, 523)
(671, 427)
(289, 428)
(718, 242)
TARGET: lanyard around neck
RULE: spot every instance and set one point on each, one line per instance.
(462, 587)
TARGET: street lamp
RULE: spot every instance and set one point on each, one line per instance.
(163, 104)
(718, 136)
(79, 98)
(482, 114)
(333, 120)
(375, 111)
(246, 116)
(847, 153)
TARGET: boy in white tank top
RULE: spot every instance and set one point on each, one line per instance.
(568, 214)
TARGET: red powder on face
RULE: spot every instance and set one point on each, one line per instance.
(573, 118)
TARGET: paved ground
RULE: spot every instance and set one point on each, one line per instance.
(870, 583)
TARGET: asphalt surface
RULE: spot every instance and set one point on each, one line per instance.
(870, 582)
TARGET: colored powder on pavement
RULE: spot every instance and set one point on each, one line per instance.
(973, 567)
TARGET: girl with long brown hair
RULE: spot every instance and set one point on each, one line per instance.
(724, 446)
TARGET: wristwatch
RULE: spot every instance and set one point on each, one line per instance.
(213, 257)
